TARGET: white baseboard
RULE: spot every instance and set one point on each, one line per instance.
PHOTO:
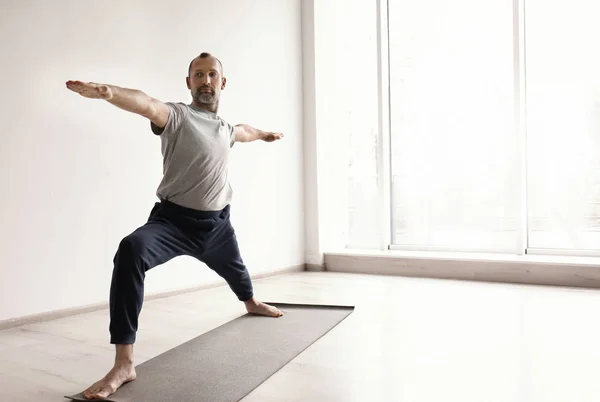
(528, 269)
(54, 315)
(315, 267)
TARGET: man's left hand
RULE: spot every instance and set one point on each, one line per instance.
(270, 137)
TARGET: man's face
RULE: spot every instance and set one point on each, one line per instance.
(206, 80)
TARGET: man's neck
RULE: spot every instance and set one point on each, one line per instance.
(213, 107)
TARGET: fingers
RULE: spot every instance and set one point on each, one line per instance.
(275, 136)
(74, 85)
(78, 86)
(89, 89)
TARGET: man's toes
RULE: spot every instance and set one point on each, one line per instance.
(99, 395)
(92, 392)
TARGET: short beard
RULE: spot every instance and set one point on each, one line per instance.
(205, 98)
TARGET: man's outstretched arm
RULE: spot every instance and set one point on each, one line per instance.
(246, 133)
(132, 100)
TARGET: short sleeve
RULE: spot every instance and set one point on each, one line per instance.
(177, 115)
(230, 131)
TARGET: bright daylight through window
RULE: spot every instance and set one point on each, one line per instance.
(494, 128)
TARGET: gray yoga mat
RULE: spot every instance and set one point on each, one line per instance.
(228, 362)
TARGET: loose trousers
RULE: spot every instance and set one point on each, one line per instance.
(171, 231)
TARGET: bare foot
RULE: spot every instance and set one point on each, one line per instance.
(119, 375)
(259, 308)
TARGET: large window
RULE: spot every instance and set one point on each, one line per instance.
(358, 74)
(453, 138)
(563, 124)
(494, 125)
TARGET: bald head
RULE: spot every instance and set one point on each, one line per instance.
(204, 56)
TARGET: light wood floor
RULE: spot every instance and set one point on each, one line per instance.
(409, 340)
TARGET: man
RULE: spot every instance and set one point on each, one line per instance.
(192, 217)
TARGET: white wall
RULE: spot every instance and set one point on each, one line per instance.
(78, 175)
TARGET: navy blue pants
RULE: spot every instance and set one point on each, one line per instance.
(171, 231)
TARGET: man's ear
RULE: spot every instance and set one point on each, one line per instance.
(187, 82)
(223, 83)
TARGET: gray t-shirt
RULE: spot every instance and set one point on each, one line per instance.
(195, 148)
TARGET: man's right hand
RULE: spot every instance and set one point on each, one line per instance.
(91, 90)
(132, 100)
